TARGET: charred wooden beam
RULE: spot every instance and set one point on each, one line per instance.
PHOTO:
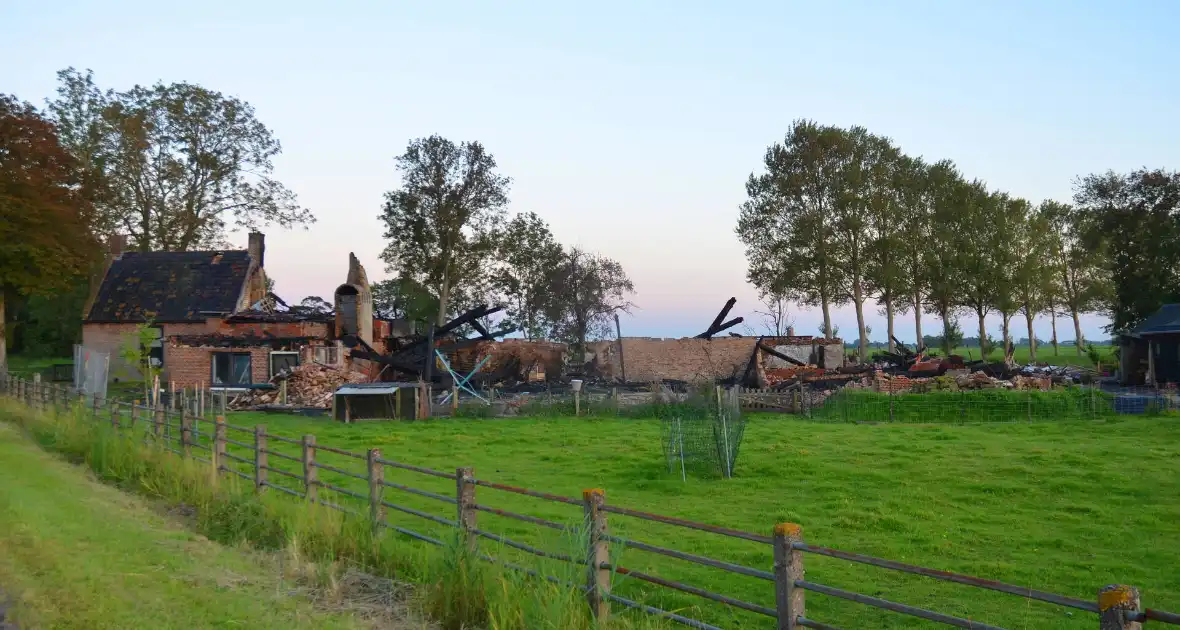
(775, 353)
(717, 326)
(729, 324)
(901, 346)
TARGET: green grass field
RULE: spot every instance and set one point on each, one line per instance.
(1066, 355)
(1065, 507)
(75, 553)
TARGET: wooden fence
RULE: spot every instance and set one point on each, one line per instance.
(228, 448)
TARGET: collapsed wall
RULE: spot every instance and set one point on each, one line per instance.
(648, 359)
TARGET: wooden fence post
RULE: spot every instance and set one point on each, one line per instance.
(597, 553)
(95, 406)
(134, 413)
(788, 567)
(158, 420)
(376, 479)
(114, 414)
(464, 500)
(1114, 602)
(260, 462)
(310, 476)
(217, 452)
(186, 433)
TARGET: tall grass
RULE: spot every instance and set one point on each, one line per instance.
(456, 588)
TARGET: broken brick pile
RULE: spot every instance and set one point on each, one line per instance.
(308, 385)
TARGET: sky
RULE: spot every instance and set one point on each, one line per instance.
(631, 127)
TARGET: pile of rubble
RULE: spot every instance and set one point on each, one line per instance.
(308, 385)
(952, 380)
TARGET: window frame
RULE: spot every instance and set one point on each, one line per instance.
(287, 353)
(227, 384)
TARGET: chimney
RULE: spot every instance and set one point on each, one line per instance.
(116, 245)
(257, 247)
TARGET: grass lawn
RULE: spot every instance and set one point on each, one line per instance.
(75, 553)
(1065, 507)
(1066, 355)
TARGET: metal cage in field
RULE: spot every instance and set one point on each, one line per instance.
(375, 401)
(706, 438)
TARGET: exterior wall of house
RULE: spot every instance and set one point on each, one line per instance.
(193, 365)
(112, 338)
(650, 359)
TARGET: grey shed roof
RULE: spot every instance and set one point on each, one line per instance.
(372, 389)
(1164, 321)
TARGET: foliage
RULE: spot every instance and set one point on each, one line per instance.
(175, 165)
(526, 256)
(45, 244)
(441, 222)
(585, 292)
(314, 305)
(403, 298)
(136, 350)
(1134, 219)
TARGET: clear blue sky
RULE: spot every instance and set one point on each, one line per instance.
(632, 126)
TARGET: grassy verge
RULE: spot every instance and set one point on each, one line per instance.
(77, 554)
(989, 405)
(456, 590)
(1065, 507)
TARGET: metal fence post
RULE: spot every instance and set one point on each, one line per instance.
(597, 553)
(95, 406)
(376, 479)
(217, 449)
(1114, 602)
(788, 567)
(260, 462)
(310, 480)
(465, 499)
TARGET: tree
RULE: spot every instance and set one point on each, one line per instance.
(1134, 219)
(785, 223)
(315, 305)
(45, 242)
(174, 165)
(949, 197)
(1082, 275)
(585, 292)
(526, 254)
(440, 223)
(980, 264)
(402, 298)
(862, 194)
(915, 205)
(887, 273)
(1033, 272)
(776, 318)
(1010, 226)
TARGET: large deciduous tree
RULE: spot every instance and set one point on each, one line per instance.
(1135, 219)
(887, 275)
(174, 165)
(1082, 273)
(916, 209)
(441, 221)
(1033, 272)
(786, 224)
(526, 255)
(585, 290)
(980, 265)
(949, 197)
(45, 241)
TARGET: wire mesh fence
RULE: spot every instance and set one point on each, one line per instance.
(91, 371)
(706, 442)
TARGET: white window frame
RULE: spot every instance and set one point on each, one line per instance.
(331, 354)
(271, 358)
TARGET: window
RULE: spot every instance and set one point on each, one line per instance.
(231, 369)
(328, 355)
(283, 362)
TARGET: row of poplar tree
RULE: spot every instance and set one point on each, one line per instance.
(842, 216)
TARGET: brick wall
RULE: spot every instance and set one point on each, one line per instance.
(192, 365)
(689, 359)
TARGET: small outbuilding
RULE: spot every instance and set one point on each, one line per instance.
(376, 401)
(1150, 353)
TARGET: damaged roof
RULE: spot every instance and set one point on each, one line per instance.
(171, 286)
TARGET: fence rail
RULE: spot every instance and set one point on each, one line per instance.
(1116, 606)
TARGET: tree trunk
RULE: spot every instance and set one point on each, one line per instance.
(1032, 338)
(1077, 330)
(444, 295)
(3, 337)
(888, 300)
(1007, 340)
(919, 345)
(827, 319)
(1053, 319)
(863, 340)
(982, 334)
